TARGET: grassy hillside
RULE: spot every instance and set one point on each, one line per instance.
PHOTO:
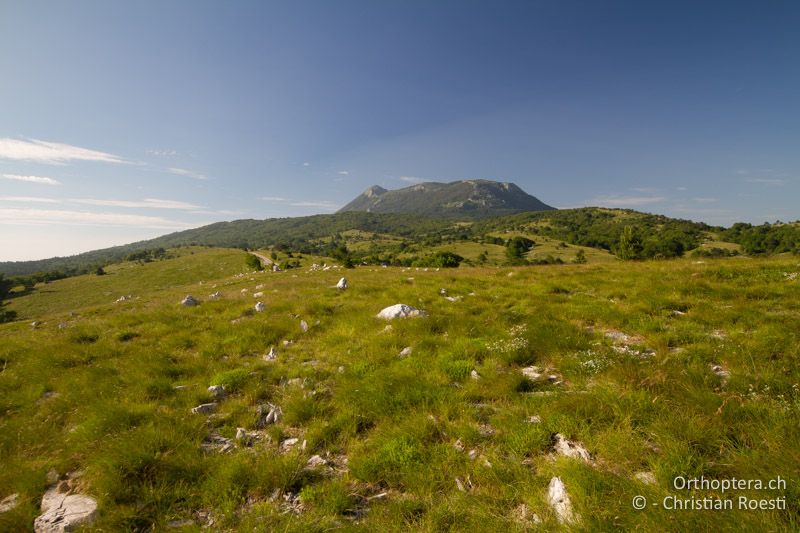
(663, 369)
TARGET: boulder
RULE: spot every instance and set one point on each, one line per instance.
(64, 512)
(342, 285)
(260, 306)
(567, 448)
(217, 391)
(400, 311)
(189, 301)
(405, 352)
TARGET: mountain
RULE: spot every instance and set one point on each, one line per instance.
(466, 199)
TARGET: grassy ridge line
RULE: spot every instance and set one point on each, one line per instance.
(117, 416)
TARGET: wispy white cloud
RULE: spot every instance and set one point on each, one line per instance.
(306, 164)
(625, 201)
(646, 190)
(274, 199)
(29, 200)
(411, 179)
(681, 188)
(32, 179)
(322, 204)
(149, 203)
(153, 203)
(343, 173)
(766, 181)
(162, 153)
(188, 173)
(44, 217)
(705, 200)
(38, 151)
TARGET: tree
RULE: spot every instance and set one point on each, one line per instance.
(629, 246)
(580, 258)
(100, 271)
(517, 247)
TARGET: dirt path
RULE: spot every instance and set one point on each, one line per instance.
(264, 259)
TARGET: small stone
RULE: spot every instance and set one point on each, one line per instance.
(205, 408)
(473, 454)
(217, 391)
(288, 444)
(571, 449)
(531, 372)
(304, 326)
(535, 419)
(189, 301)
(258, 294)
(474, 375)
(405, 352)
(260, 307)
(458, 445)
(315, 461)
(272, 355)
(214, 296)
(342, 285)
(9, 502)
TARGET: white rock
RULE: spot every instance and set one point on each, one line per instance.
(400, 311)
(453, 298)
(205, 408)
(258, 294)
(288, 444)
(189, 301)
(535, 419)
(268, 414)
(9, 503)
(571, 449)
(276, 268)
(215, 296)
(260, 307)
(315, 460)
(304, 325)
(474, 375)
(405, 352)
(62, 512)
(559, 500)
(217, 391)
(342, 285)
(531, 372)
(272, 355)
(721, 372)
(123, 298)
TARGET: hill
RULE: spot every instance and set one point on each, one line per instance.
(612, 379)
(380, 235)
(466, 199)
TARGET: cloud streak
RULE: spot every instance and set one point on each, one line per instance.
(41, 180)
(188, 173)
(148, 203)
(51, 153)
(411, 179)
(625, 201)
(47, 217)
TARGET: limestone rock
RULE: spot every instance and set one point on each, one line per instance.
(559, 500)
(189, 301)
(9, 503)
(405, 352)
(400, 311)
(532, 372)
(260, 307)
(205, 408)
(63, 512)
(215, 296)
(567, 448)
(342, 285)
(217, 391)
(272, 355)
(645, 477)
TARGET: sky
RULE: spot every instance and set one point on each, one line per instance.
(121, 121)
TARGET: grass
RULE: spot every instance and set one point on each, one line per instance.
(92, 388)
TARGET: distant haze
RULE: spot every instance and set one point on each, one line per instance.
(126, 120)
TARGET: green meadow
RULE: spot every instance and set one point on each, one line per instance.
(659, 370)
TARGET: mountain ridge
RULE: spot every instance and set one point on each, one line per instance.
(476, 198)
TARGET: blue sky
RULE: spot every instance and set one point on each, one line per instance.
(125, 120)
